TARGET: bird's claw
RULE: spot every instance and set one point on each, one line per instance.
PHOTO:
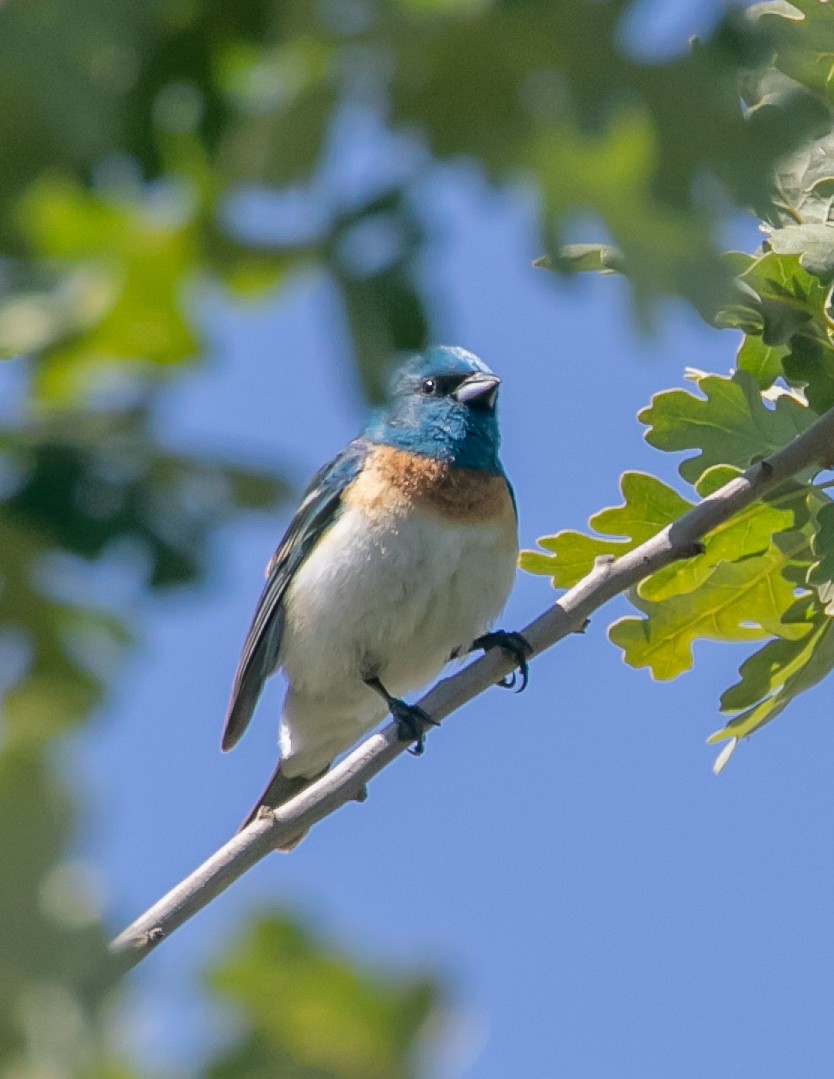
(517, 647)
(411, 722)
(411, 719)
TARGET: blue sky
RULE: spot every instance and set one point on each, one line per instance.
(598, 903)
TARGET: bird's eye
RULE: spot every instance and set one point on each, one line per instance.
(429, 387)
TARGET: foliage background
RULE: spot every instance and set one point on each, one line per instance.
(217, 223)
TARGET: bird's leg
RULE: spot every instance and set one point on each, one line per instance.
(516, 646)
(411, 719)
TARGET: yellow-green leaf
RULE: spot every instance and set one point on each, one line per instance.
(747, 533)
(649, 506)
(742, 601)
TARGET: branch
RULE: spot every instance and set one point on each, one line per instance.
(347, 780)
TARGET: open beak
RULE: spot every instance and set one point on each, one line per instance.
(478, 389)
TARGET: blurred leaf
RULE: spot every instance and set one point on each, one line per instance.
(386, 317)
(88, 480)
(286, 101)
(540, 89)
(370, 253)
(53, 685)
(309, 1014)
(99, 82)
(143, 255)
(53, 968)
(33, 320)
(585, 258)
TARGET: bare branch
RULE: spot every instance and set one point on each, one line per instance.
(346, 781)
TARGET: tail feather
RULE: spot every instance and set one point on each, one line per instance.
(281, 789)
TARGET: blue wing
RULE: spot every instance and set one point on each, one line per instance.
(259, 657)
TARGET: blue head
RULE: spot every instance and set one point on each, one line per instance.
(441, 404)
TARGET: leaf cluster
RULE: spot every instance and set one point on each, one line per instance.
(140, 131)
(766, 574)
(134, 134)
(85, 497)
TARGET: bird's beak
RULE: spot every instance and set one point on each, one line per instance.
(479, 389)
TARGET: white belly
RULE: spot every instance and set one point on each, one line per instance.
(393, 599)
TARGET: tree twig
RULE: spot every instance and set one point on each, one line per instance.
(346, 781)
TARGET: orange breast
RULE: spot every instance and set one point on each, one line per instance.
(393, 481)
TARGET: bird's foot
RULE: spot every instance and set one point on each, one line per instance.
(411, 722)
(411, 719)
(516, 646)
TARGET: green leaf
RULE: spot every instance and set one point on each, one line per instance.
(814, 244)
(763, 362)
(805, 184)
(757, 670)
(802, 34)
(821, 574)
(810, 364)
(774, 676)
(649, 507)
(790, 298)
(740, 601)
(730, 425)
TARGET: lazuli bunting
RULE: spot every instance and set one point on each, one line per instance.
(398, 559)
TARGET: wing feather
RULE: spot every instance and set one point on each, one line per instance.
(259, 657)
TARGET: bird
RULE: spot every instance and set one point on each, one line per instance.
(399, 558)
